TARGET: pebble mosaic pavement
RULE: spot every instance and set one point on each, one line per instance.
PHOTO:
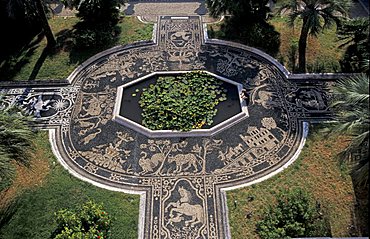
(182, 180)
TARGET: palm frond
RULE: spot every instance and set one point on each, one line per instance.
(354, 90)
(16, 136)
(7, 170)
(361, 174)
(351, 105)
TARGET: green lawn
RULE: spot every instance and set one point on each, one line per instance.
(66, 58)
(57, 190)
(317, 171)
(322, 54)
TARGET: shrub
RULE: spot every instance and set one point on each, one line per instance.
(89, 222)
(294, 216)
(355, 35)
(323, 65)
(95, 11)
(99, 21)
(95, 37)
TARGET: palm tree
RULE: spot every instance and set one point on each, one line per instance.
(45, 24)
(351, 105)
(32, 10)
(15, 142)
(316, 15)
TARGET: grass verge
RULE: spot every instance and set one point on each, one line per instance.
(316, 171)
(322, 53)
(59, 64)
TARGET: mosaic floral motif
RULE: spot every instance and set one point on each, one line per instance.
(182, 177)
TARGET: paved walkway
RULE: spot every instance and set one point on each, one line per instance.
(149, 10)
(181, 180)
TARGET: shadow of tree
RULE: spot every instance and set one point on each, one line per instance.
(254, 32)
(39, 63)
(14, 60)
(64, 40)
(107, 37)
(19, 40)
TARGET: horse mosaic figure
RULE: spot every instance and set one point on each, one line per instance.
(177, 210)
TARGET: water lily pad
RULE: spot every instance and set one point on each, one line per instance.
(183, 102)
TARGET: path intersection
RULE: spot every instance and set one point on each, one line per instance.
(181, 180)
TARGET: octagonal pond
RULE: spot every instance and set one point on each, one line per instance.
(129, 110)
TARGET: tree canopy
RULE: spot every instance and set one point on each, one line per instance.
(239, 8)
(316, 15)
(294, 215)
(355, 34)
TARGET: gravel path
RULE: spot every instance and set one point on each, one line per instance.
(165, 8)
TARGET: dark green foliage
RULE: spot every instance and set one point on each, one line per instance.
(316, 15)
(7, 210)
(90, 222)
(17, 15)
(33, 12)
(254, 33)
(99, 36)
(355, 33)
(240, 9)
(246, 23)
(182, 102)
(22, 21)
(351, 105)
(98, 24)
(15, 143)
(95, 11)
(294, 215)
